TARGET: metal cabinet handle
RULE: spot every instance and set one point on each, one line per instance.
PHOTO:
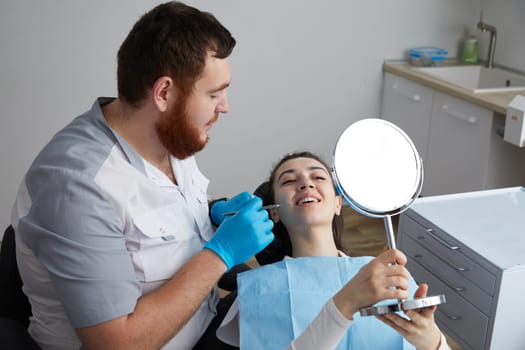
(455, 267)
(449, 316)
(459, 115)
(431, 233)
(413, 97)
(457, 289)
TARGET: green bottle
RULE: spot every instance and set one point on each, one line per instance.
(470, 51)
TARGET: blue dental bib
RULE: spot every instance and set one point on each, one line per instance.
(277, 302)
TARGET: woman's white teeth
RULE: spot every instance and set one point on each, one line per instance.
(307, 200)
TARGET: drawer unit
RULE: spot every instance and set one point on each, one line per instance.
(459, 318)
(470, 247)
(450, 251)
(449, 276)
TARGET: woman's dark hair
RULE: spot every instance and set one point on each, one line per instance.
(281, 246)
(173, 40)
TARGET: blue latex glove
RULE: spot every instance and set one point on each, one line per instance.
(218, 209)
(242, 235)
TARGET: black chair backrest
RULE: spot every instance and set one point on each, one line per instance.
(281, 245)
(13, 302)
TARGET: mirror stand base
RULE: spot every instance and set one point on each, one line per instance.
(417, 303)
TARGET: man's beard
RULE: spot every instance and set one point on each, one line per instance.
(176, 133)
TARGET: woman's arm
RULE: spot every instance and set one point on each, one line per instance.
(370, 285)
(325, 331)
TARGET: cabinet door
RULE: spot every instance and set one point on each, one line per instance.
(409, 106)
(458, 146)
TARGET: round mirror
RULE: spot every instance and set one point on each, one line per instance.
(376, 168)
(379, 173)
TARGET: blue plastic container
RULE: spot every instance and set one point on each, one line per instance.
(427, 55)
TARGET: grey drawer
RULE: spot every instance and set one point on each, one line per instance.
(465, 321)
(443, 245)
(449, 276)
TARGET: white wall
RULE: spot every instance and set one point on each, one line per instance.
(302, 71)
(508, 16)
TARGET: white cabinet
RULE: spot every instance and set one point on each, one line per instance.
(458, 146)
(469, 246)
(409, 106)
(456, 139)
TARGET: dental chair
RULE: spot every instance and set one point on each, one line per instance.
(15, 309)
(281, 245)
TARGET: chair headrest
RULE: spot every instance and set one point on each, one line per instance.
(281, 245)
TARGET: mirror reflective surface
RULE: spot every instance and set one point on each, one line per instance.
(379, 173)
(377, 168)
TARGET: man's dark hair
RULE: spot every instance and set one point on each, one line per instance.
(173, 40)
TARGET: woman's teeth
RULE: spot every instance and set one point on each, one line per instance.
(306, 200)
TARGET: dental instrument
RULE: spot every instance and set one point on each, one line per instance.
(266, 207)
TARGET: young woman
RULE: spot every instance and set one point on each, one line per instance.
(308, 224)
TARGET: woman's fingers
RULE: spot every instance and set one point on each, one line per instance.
(420, 331)
(393, 256)
(398, 323)
(378, 280)
(421, 291)
(418, 315)
(387, 280)
(403, 325)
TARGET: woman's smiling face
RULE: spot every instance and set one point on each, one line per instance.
(304, 189)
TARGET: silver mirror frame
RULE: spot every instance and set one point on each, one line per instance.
(401, 204)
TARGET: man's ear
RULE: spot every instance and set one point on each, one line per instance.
(163, 92)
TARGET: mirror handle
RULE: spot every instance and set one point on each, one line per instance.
(391, 241)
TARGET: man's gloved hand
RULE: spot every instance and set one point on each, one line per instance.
(218, 209)
(242, 235)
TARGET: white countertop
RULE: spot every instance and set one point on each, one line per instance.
(494, 101)
(491, 222)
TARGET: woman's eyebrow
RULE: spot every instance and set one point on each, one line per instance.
(310, 168)
(287, 171)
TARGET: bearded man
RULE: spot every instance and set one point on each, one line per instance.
(114, 240)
